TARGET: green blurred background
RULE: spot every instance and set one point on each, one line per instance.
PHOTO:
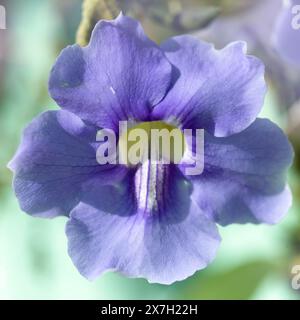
(254, 262)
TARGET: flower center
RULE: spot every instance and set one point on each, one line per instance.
(156, 141)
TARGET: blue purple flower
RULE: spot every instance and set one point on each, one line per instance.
(151, 220)
(287, 32)
(259, 25)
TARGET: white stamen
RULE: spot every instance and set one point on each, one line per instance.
(149, 181)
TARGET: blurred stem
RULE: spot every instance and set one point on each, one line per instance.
(92, 12)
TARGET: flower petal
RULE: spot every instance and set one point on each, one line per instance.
(255, 25)
(121, 75)
(162, 247)
(223, 91)
(56, 156)
(244, 179)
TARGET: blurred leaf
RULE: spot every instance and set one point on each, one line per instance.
(92, 12)
(238, 283)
